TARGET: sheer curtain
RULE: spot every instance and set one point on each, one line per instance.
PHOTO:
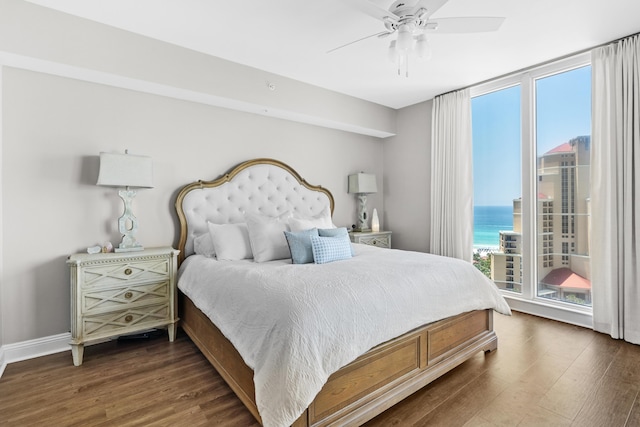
(451, 176)
(615, 190)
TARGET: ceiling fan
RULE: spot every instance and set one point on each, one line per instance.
(411, 21)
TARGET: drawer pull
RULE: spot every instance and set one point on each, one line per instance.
(128, 318)
(128, 295)
(128, 271)
(375, 242)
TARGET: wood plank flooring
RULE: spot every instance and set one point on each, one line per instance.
(544, 373)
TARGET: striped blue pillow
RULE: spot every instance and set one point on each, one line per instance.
(300, 245)
(329, 249)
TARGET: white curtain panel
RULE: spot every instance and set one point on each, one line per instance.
(615, 190)
(452, 176)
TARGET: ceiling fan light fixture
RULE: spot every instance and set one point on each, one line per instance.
(405, 38)
(423, 49)
(392, 53)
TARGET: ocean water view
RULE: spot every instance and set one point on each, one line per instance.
(488, 221)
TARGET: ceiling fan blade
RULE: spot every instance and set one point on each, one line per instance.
(372, 9)
(381, 34)
(462, 25)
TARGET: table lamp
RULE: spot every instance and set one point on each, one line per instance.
(128, 171)
(362, 184)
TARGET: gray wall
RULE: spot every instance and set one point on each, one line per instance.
(2, 340)
(407, 158)
(53, 128)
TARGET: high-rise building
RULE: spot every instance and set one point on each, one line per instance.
(562, 227)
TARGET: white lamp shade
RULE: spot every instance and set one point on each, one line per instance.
(422, 47)
(125, 170)
(405, 38)
(362, 183)
(392, 53)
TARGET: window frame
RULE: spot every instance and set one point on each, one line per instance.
(528, 301)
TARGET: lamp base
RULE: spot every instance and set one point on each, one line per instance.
(128, 224)
(361, 230)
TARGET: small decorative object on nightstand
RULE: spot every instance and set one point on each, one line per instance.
(381, 239)
(115, 294)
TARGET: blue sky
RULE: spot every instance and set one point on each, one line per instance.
(563, 111)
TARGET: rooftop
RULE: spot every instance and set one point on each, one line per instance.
(562, 148)
(566, 278)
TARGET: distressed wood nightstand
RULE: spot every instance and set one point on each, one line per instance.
(381, 239)
(115, 294)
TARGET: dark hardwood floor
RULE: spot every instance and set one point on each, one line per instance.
(544, 373)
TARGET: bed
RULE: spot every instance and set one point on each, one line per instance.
(256, 320)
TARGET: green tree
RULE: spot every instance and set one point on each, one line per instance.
(483, 264)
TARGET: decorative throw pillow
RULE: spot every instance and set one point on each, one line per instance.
(329, 249)
(230, 241)
(203, 245)
(336, 232)
(266, 235)
(300, 245)
(322, 220)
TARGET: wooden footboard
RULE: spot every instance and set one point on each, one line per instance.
(369, 385)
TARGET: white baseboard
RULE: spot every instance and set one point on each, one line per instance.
(3, 363)
(10, 353)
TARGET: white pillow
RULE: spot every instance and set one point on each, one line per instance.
(322, 220)
(230, 241)
(203, 245)
(266, 235)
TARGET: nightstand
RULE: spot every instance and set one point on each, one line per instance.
(115, 294)
(381, 239)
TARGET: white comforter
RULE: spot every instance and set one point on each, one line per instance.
(295, 325)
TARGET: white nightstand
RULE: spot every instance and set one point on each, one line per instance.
(381, 239)
(115, 294)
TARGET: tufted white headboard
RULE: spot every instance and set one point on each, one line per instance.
(263, 186)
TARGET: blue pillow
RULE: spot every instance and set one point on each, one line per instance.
(335, 232)
(300, 245)
(329, 249)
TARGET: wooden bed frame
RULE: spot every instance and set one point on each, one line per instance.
(369, 385)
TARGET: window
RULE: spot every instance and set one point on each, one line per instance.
(531, 153)
(563, 143)
(496, 135)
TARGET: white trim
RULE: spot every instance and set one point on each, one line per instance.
(528, 170)
(25, 350)
(495, 85)
(535, 307)
(3, 363)
(44, 346)
(535, 72)
(566, 64)
(93, 76)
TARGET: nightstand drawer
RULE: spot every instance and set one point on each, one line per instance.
(118, 272)
(382, 241)
(124, 321)
(100, 300)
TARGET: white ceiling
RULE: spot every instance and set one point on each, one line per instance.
(291, 38)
